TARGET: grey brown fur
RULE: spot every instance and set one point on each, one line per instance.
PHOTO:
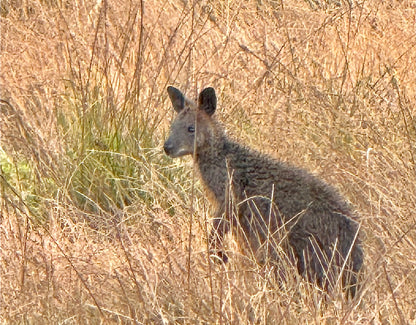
(273, 206)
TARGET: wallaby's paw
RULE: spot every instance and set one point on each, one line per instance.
(218, 256)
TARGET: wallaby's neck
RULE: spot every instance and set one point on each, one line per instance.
(212, 164)
(214, 152)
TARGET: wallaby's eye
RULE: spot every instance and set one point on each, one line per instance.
(191, 129)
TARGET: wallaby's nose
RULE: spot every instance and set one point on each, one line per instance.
(168, 147)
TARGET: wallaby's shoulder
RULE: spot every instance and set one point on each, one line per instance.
(246, 156)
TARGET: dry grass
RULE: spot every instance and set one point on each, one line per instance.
(95, 219)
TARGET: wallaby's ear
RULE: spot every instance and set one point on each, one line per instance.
(207, 101)
(177, 98)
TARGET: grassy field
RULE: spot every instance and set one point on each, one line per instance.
(97, 225)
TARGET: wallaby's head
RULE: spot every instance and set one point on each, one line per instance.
(193, 120)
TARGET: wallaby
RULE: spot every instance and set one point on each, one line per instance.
(278, 210)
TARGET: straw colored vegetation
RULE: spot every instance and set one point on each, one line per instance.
(98, 225)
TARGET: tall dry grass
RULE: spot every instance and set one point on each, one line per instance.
(95, 219)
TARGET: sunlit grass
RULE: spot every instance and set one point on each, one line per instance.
(95, 218)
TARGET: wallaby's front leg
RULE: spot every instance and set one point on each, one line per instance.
(219, 228)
